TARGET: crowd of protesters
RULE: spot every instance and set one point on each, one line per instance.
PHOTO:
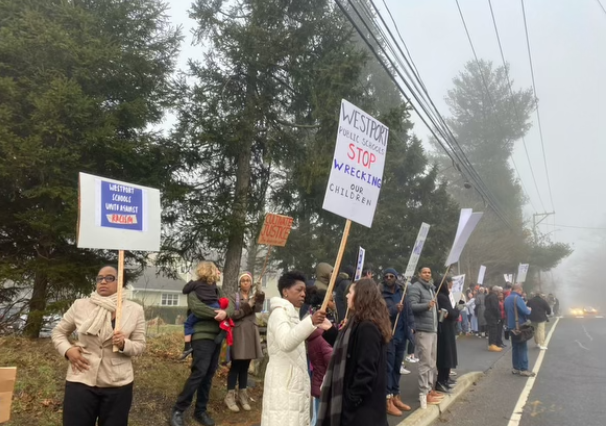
(335, 365)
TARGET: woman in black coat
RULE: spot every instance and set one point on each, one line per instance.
(447, 341)
(353, 391)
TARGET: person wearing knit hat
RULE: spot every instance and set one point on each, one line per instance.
(392, 292)
(246, 341)
(323, 274)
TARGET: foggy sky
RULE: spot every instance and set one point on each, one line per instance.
(567, 39)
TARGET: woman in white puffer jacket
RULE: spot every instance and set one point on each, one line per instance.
(287, 388)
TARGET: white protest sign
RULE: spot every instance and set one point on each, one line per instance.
(356, 174)
(522, 272)
(458, 285)
(507, 277)
(416, 250)
(463, 218)
(467, 223)
(115, 215)
(360, 265)
(481, 274)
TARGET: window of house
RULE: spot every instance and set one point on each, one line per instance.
(170, 299)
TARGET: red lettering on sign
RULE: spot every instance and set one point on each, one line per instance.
(361, 156)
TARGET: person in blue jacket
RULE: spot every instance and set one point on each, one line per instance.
(392, 291)
(519, 349)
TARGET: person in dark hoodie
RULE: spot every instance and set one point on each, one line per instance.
(342, 284)
(392, 292)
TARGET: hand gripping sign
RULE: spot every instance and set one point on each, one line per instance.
(356, 173)
(116, 215)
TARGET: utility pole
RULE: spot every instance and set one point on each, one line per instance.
(541, 217)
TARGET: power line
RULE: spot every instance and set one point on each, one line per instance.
(602, 6)
(496, 29)
(430, 115)
(574, 227)
(534, 90)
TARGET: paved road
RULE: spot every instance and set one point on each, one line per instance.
(473, 356)
(569, 389)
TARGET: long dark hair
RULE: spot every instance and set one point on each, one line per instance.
(370, 306)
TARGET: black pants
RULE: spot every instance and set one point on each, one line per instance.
(203, 367)
(500, 333)
(238, 373)
(493, 333)
(443, 375)
(83, 405)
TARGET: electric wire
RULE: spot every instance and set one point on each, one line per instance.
(534, 89)
(439, 123)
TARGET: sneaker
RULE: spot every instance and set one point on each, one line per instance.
(412, 359)
(453, 373)
(495, 348)
(514, 371)
(543, 347)
(423, 401)
(451, 383)
(243, 399)
(404, 370)
(230, 401)
(443, 388)
(527, 373)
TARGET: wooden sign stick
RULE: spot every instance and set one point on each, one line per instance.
(395, 324)
(335, 272)
(120, 285)
(442, 283)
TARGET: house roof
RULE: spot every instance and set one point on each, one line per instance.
(152, 279)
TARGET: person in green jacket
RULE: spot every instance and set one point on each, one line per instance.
(206, 349)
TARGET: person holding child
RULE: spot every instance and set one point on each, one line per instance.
(246, 343)
(206, 342)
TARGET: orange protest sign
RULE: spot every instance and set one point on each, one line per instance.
(276, 230)
(8, 376)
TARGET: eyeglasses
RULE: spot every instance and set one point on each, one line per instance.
(107, 278)
(389, 276)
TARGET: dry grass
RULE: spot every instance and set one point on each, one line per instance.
(158, 380)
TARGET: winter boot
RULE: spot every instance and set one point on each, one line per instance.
(230, 401)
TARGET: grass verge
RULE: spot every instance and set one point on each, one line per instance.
(159, 378)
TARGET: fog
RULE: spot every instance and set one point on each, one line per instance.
(567, 40)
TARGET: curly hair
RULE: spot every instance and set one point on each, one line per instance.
(369, 305)
(207, 271)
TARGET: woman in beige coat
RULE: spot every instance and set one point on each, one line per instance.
(247, 342)
(99, 382)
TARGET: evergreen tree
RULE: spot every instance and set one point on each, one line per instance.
(80, 83)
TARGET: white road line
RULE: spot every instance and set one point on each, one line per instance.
(587, 333)
(581, 345)
(516, 416)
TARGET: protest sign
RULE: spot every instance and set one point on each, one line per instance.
(356, 172)
(360, 265)
(458, 287)
(481, 274)
(508, 278)
(416, 250)
(522, 272)
(115, 215)
(276, 230)
(8, 377)
(467, 223)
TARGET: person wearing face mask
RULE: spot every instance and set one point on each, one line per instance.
(423, 301)
(286, 397)
(247, 342)
(99, 384)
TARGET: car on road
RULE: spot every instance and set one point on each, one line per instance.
(588, 310)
